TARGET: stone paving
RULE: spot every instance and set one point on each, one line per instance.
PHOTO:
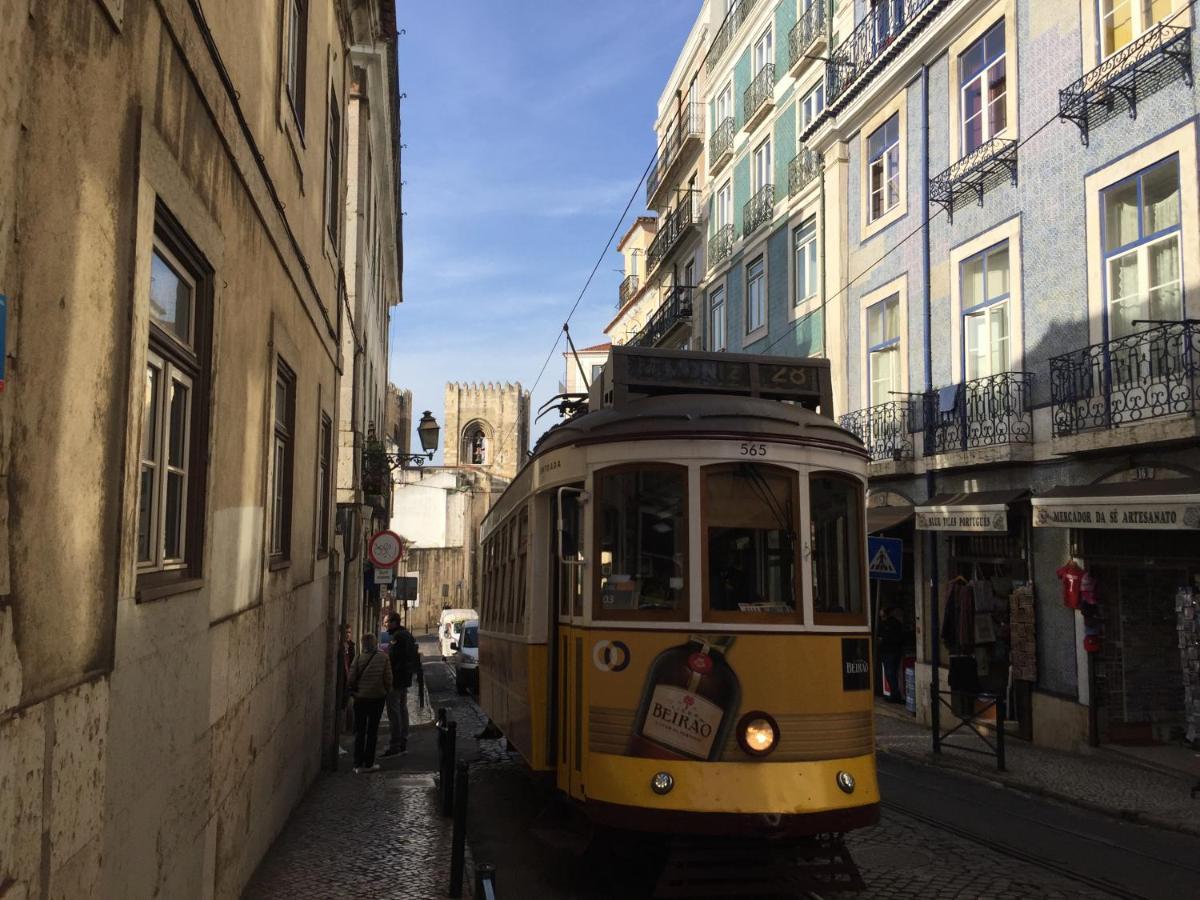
(1098, 782)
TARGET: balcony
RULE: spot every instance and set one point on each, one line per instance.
(1137, 69)
(989, 417)
(758, 210)
(671, 229)
(975, 174)
(881, 34)
(685, 137)
(724, 36)
(675, 312)
(759, 98)
(804, 37)
(804, 167)
(629, 287)
(884, 429)
(720, 145)
(1136, 380)
(720, 246)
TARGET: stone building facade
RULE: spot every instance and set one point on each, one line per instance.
(172, 253)
(993, 253)
(487, 425)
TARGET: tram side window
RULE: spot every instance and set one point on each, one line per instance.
(641, 521)
(522, 561)
(750, 528)
(837, 548)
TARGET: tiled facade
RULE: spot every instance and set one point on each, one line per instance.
(961, 382)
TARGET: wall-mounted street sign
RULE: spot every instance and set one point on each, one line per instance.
(385, 549)
(383, 576)
(884, 557)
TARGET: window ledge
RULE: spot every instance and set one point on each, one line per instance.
(804, 308)
(278, 563)
(872, 228)
(153, 586)
(756, 335)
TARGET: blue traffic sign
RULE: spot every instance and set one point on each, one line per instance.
(884, 557)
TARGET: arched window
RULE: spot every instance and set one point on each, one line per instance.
(474, 445)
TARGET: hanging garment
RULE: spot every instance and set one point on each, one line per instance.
(958, 623)
(1071, 576)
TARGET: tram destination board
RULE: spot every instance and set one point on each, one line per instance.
(641, 371)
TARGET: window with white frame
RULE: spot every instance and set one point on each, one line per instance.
(812, 105)
(985, 312)
(724, 205)
(1142, 267)
(1124, 21)
(804, 261)
(883, 172)
(283, 452)
(756, 298)
(764, 51)
(297, 57)
(724, 104)
(984, 89)
(762, 165)
(716, 319)
(883, 350)
(172, 454)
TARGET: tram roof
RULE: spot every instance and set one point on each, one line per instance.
(698, 415)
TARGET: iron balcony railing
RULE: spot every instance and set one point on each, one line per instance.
(984, 412)
(629, 287)
(738, 13)
(760, 90)
(1126, 380)
(974, 174)
(884, 429)
(759, 209)
(880, 34)
(688, 125)
(804, 167)
(720, 145)
(720, 245)
(671, 228)
(1132, 70)
(675, 310)
(809, 27)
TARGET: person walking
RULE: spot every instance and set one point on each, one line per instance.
(345, 660)
(370, 681)
(891, 648)
(406, 663)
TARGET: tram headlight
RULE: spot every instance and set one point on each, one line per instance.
(757, 733)
(662, 782)
(846, 782)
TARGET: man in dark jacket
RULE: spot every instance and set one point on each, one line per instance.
(406, 664)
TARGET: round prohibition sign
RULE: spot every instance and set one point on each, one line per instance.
(385, 549)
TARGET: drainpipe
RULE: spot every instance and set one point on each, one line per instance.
(930, 484)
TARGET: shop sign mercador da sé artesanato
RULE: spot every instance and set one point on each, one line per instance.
(1145, 516)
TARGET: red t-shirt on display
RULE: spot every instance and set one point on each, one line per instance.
(1071, 577)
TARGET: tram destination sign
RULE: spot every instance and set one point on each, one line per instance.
(642, 371)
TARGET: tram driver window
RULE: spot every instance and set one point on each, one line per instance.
(751, 527)
(642, 542)
(837, 548)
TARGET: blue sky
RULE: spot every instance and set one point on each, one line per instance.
(528, 123)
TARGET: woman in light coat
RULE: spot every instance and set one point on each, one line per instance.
(370, 680)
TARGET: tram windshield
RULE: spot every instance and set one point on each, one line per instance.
(642, 518)
(750, 528)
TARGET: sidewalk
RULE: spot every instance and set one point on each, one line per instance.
(1102, 782)
(378, 834)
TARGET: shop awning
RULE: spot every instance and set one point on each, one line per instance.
(1167, 504)
(881, 518)
(979, 511)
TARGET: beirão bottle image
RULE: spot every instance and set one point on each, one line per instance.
(689, 701)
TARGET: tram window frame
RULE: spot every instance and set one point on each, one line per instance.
(730, 616)
(859, 506)
(522, 567)
(682, 610)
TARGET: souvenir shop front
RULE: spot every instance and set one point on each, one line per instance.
(893, 599)
(987, 619)
(1134, 577)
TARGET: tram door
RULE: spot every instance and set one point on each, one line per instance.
(566, 581)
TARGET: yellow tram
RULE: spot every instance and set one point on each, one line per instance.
(673, 601)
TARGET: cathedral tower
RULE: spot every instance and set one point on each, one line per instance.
(487, 425)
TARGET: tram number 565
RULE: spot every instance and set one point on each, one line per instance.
(748, 449)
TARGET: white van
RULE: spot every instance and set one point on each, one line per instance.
(466, 658)
(450, 628)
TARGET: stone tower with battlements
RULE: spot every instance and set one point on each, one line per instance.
(487, 426)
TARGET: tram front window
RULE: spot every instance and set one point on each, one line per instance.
(642, 525)
(750, 525)
(837, 548)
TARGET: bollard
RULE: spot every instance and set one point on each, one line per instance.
(485, 882)
(448, 760)
(1000, 735)
(458, 839)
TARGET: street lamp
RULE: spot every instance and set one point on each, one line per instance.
(427, 431)
(377, 460)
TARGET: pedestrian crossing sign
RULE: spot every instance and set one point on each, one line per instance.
(884, 557)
